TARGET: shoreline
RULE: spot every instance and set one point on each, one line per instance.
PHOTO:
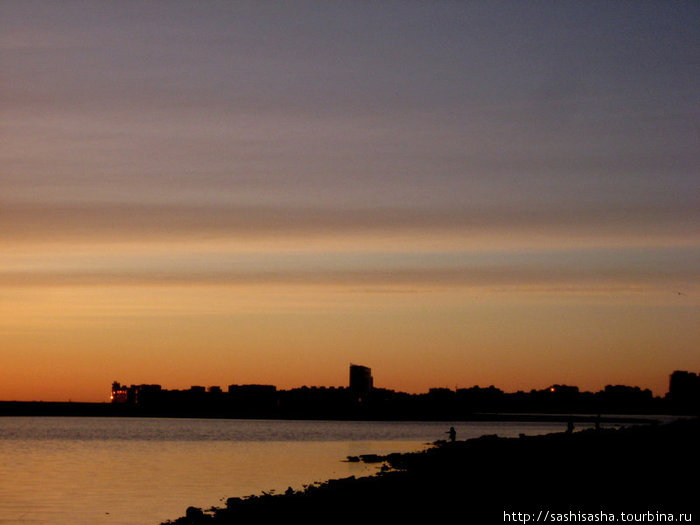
(81, 409)
(631, 469)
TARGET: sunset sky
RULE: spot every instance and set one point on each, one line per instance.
(451, 193)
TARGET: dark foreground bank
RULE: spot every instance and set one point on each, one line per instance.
(584, 476)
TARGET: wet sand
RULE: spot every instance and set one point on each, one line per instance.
(591, 475)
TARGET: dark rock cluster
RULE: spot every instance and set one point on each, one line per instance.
(639, 468)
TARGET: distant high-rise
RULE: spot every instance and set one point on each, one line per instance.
(361, 382)
(684, 389)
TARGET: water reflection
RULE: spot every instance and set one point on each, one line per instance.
(135, 471)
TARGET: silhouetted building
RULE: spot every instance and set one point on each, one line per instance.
(120, 393)
(315, 401)
(145, 394)
(252, 389)
(563, 390)
(441, 394)
(361, 382)
(477, 398)
(626, 395)
(134, 394)
(684, 390)
(249, 399)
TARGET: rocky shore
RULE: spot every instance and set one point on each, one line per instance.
(591, 474)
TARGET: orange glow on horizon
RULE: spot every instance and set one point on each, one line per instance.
(296, 335)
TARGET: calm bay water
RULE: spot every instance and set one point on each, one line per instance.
(132, 471)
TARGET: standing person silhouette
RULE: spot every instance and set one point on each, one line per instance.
(453, 433)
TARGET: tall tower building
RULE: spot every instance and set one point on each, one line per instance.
(361, 382)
